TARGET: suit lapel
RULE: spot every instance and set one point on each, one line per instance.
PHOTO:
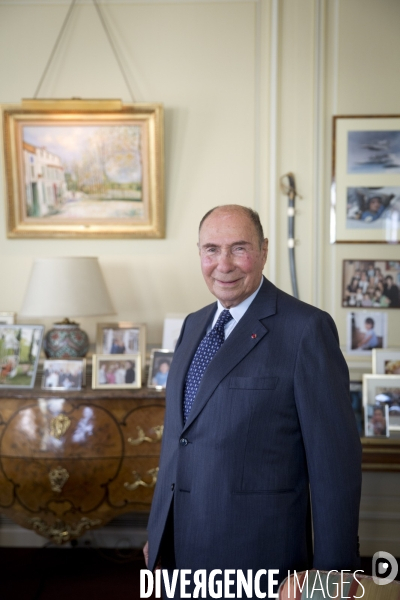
(196, 330)
(244, 337)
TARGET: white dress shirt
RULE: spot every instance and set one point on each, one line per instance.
(237, 312)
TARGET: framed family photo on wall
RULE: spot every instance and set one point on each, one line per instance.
(84, 169)
(371, 283)
(365, 190)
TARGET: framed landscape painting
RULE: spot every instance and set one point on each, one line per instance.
(84, 169)
(365, 190)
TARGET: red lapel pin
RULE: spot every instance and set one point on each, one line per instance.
(253, 336)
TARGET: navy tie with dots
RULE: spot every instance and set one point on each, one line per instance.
(206, 350)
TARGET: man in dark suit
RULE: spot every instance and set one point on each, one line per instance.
(259, 431)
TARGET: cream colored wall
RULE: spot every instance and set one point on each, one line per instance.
(199, 60)
(249, 90)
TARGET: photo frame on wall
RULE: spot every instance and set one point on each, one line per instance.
(365, 190)
(19, 355)
(365, 331)
(371, 284)
(84, 169)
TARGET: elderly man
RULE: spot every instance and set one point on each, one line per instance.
(259, 431)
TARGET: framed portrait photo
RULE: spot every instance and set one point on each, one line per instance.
(124, 337)
(68, 375)
(116, 371)
(84, 169)
(366, 330)
(160, 364)
(19, 355)
(386, 362)
(376, 420)
(384, 391)
(371, 284)
(365, 190)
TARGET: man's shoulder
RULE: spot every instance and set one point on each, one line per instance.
(289, 305)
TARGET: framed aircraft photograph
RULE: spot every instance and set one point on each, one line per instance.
(365, 190)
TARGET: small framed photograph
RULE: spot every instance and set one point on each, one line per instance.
(365, 190)
(384, 390)
(371, 283)
(116, 371)
(386, 362)
(7, 318)
(122, 338)
(172, 329)
(365, 331)
(160, 364)
(377, 420)
(68, 375)
(19, 355)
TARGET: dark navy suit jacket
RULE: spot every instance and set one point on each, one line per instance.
(271, 425)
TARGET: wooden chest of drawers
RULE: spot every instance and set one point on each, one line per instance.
(73, 461)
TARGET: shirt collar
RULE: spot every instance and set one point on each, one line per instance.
(238, 311)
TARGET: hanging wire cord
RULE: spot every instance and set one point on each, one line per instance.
(109, 38)
(290, 190)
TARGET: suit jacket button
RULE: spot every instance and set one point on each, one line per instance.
(183, 442)
(172, 487)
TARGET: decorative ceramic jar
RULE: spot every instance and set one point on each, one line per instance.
(66, 340)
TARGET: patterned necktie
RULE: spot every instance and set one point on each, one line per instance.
(204, 353)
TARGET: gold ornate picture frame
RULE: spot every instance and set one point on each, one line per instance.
(84, 169)
(122, 337)
(116, 371)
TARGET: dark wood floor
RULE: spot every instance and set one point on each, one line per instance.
(69, 574)
(75, 574)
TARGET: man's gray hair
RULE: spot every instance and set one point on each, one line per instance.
(252, 214)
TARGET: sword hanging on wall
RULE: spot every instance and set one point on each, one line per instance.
(289, 188)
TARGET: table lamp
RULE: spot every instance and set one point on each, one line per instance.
(66, 287)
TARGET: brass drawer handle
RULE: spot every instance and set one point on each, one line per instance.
(58, 477)
(138, 481)
(158, 430)
(59, 426)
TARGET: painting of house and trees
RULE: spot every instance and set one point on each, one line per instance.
(83, 173)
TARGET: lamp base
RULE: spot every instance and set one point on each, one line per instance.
(66, 340)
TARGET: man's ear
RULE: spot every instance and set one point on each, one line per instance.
(265, 248)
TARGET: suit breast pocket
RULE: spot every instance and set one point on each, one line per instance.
(253, 383)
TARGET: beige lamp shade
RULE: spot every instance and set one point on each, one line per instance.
(66, 287)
